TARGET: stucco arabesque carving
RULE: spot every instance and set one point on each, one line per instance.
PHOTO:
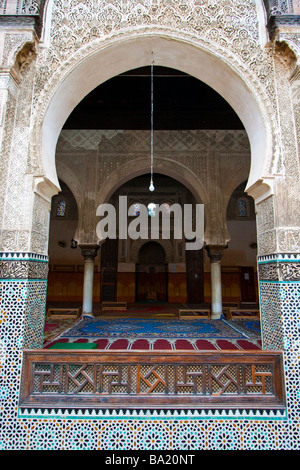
(227, 29)
(189, 150)
(181, 154)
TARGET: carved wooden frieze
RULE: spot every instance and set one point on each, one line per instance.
(139, 379)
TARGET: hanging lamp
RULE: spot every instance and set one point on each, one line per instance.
(151, 187)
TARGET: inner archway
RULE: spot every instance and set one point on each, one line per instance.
(156, 266)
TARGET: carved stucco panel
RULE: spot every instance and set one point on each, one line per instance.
(40, 225)
(188, 148)
(12, 43)
(266, 243)
(265, 215)
(14, 202)
(273, 238)
(233, 26)
(207, 155)
(24, 221)
(289, 240)
(266, 233)
(6, 143)
(295, 84)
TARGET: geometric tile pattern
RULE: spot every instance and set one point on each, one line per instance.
(21, 313)
(270, 318)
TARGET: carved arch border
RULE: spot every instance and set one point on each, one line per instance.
(48, 122)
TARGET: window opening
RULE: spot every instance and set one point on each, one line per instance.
(61, 209)
(242, 208)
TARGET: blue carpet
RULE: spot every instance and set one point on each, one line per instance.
(248, 327)
(143, 328)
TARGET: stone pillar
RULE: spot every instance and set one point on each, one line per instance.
(215, 255)
(89, 255)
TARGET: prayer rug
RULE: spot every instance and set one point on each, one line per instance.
(154, 334)
(142, 328)
(54, 329)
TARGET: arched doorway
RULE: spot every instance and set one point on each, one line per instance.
(213, 237)
(252, 116)
(151, 273)
(184, 137)
(181, 271)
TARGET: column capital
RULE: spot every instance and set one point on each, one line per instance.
(89, 252)
(215, 252)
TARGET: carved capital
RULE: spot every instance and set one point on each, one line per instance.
(89, 252)
(215, 252)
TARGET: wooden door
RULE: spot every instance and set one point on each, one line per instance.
(247, 284)
(151, 286)
(109, 270)
(194, 276)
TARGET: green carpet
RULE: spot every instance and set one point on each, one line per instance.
(73, 346)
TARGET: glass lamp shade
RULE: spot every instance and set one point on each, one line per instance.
(151, 187)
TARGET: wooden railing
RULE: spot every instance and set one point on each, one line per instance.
(155, 379)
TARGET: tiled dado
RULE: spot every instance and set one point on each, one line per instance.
(23, 286)
(279, 288)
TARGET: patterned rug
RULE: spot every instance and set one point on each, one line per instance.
(53, 329)
(250, 328)
(143, 328)
(154, 334)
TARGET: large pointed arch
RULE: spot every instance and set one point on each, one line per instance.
(136, 52)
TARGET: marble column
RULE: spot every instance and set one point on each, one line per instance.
(89, 255)
(215, 255)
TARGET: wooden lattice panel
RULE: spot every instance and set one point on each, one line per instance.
(104, 379)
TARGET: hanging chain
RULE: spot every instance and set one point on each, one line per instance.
(151, 187)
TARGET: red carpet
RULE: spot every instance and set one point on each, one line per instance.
(167, 344)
